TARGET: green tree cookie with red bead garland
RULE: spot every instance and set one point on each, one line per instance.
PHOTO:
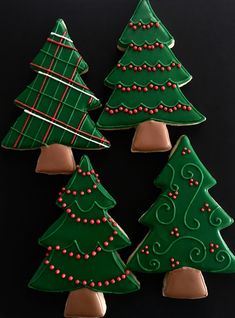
(146, 84)
(185, 224)
(82, 246)
(56, 106)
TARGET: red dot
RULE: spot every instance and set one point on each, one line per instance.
(209, 210)
(124, 68)
(168, 68)
(196, 183)
(63, 189)
(161, 45)
(131, 45)
(173, 265)
(145, 89)
(60, 200)
(57, 247)
(85, 221)
(78, 256)
(118, 65)
(170, 194)
(160, 106)
(64, 251)
(150, 47)
(216, 246)
(71, 254)
(84, 174)
(212, 250)
(159, 65)
(179, 65)
(106, 283)
(99, 284)
(114, 224)
(119, 86)
(140, 69)
(151, 112)
(211, 245)
(72, 216)
(172, 259)
(165, 109)
(57, 272)
(146, 110)
(123, 89)
(157, 44)
(130, 66)
(68, 191)
(70, 278)
(155, 110)
(174, 197)
(92, 221)
(144, 66)
(135, 48)
(123, 276)
(134, 27)
(98, 249)
(157, 24)
(169, 84)
(112, 281)
(177, 262)
(118, 279)
(147, 252)
(152, 24)
(115, 232)
(86, 256)
(135, 69)
(106, 243)
(104, 219)
(64, 205)
(177, 234)
(93, 253)
(128, 89)
(172, 233)
(84, 282)
(130, 112)
(173, 64)
(184, 107)
(131, 24)
(88, 190)
(77, 281)
(135, 111)
(183, 153)
(139, 89)
(174, 86)
(149, 69)
(202, 209)
(163, 88)
(98, 221)
(80, 170)
(179, 106)
(63, 276)
(156, 87)
(51, 267)
(92, 284)
(111, 238)
(162, 68)
(121, 109)
(46, 262)
(127, 271)
(49, 248)
(78, 220)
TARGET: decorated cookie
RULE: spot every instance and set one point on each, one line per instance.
(55, 107)
(146, 84)
(82, 246)
(185, 223)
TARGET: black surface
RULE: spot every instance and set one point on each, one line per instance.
(204, 33)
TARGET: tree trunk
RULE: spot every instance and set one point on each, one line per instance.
(85, 303)
(56, 159)
(184, 283)
(151, 136)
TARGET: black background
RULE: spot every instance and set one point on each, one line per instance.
(204, 33)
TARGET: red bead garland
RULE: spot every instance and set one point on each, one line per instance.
(146, 88)
(146, 46)
(140, 68)
(76, 281)
(144, 26)
(147, 110)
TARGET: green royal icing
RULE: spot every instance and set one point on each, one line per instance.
(58, 64)
(157, 66)
(81, 230)
(185, 221)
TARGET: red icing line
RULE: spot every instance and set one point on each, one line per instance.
(151, 111)
(77, 281)
(146, 46)
(61, 122)
(61, 44)
(145, 67)
(77, 129)
(39, 93)
(59, 75)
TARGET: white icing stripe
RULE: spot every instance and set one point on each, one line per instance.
(61, 36)
(64, 128)
(67, 84)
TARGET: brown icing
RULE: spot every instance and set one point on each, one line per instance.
(184, 283)
(56, 159)
(85, 303)
(151, 136)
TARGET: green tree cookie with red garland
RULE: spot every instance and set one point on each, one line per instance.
(146, 85)
(185, 224)
(82, 246)
(56, 106)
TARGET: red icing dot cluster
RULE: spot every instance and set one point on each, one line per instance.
(159, 67)
(77, 281)
(146, 47)
(145, 250)
(146, 88)
(148, 110)
(213, 247)
(175, 232)
(193, 182)
(173, 195)
(185, 151)
(78, 256)
(206, 207)
(135, 26)
(174, 263)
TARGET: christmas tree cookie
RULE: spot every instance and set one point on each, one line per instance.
(82, 246)
(146, 84)
(55, 107)
(185, 224)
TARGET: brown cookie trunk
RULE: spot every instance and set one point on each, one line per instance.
(56, 159)
(184, 283)
(151, 136)
(85, 303)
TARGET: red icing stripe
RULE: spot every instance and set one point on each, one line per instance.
(61, 44)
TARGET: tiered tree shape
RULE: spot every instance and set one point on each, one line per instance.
(82, 246)
(146, 84)
(56, 106)
(185, 224)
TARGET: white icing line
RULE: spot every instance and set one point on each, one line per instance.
(67, 84)
(61, 36)
(64, 128)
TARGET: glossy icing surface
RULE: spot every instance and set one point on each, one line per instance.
(185, 221)
(148, 62)
(82, 244)
(57, 102)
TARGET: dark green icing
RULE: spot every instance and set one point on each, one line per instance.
(158, 66)
(57, 64)
(184, 207)
(82, 238)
